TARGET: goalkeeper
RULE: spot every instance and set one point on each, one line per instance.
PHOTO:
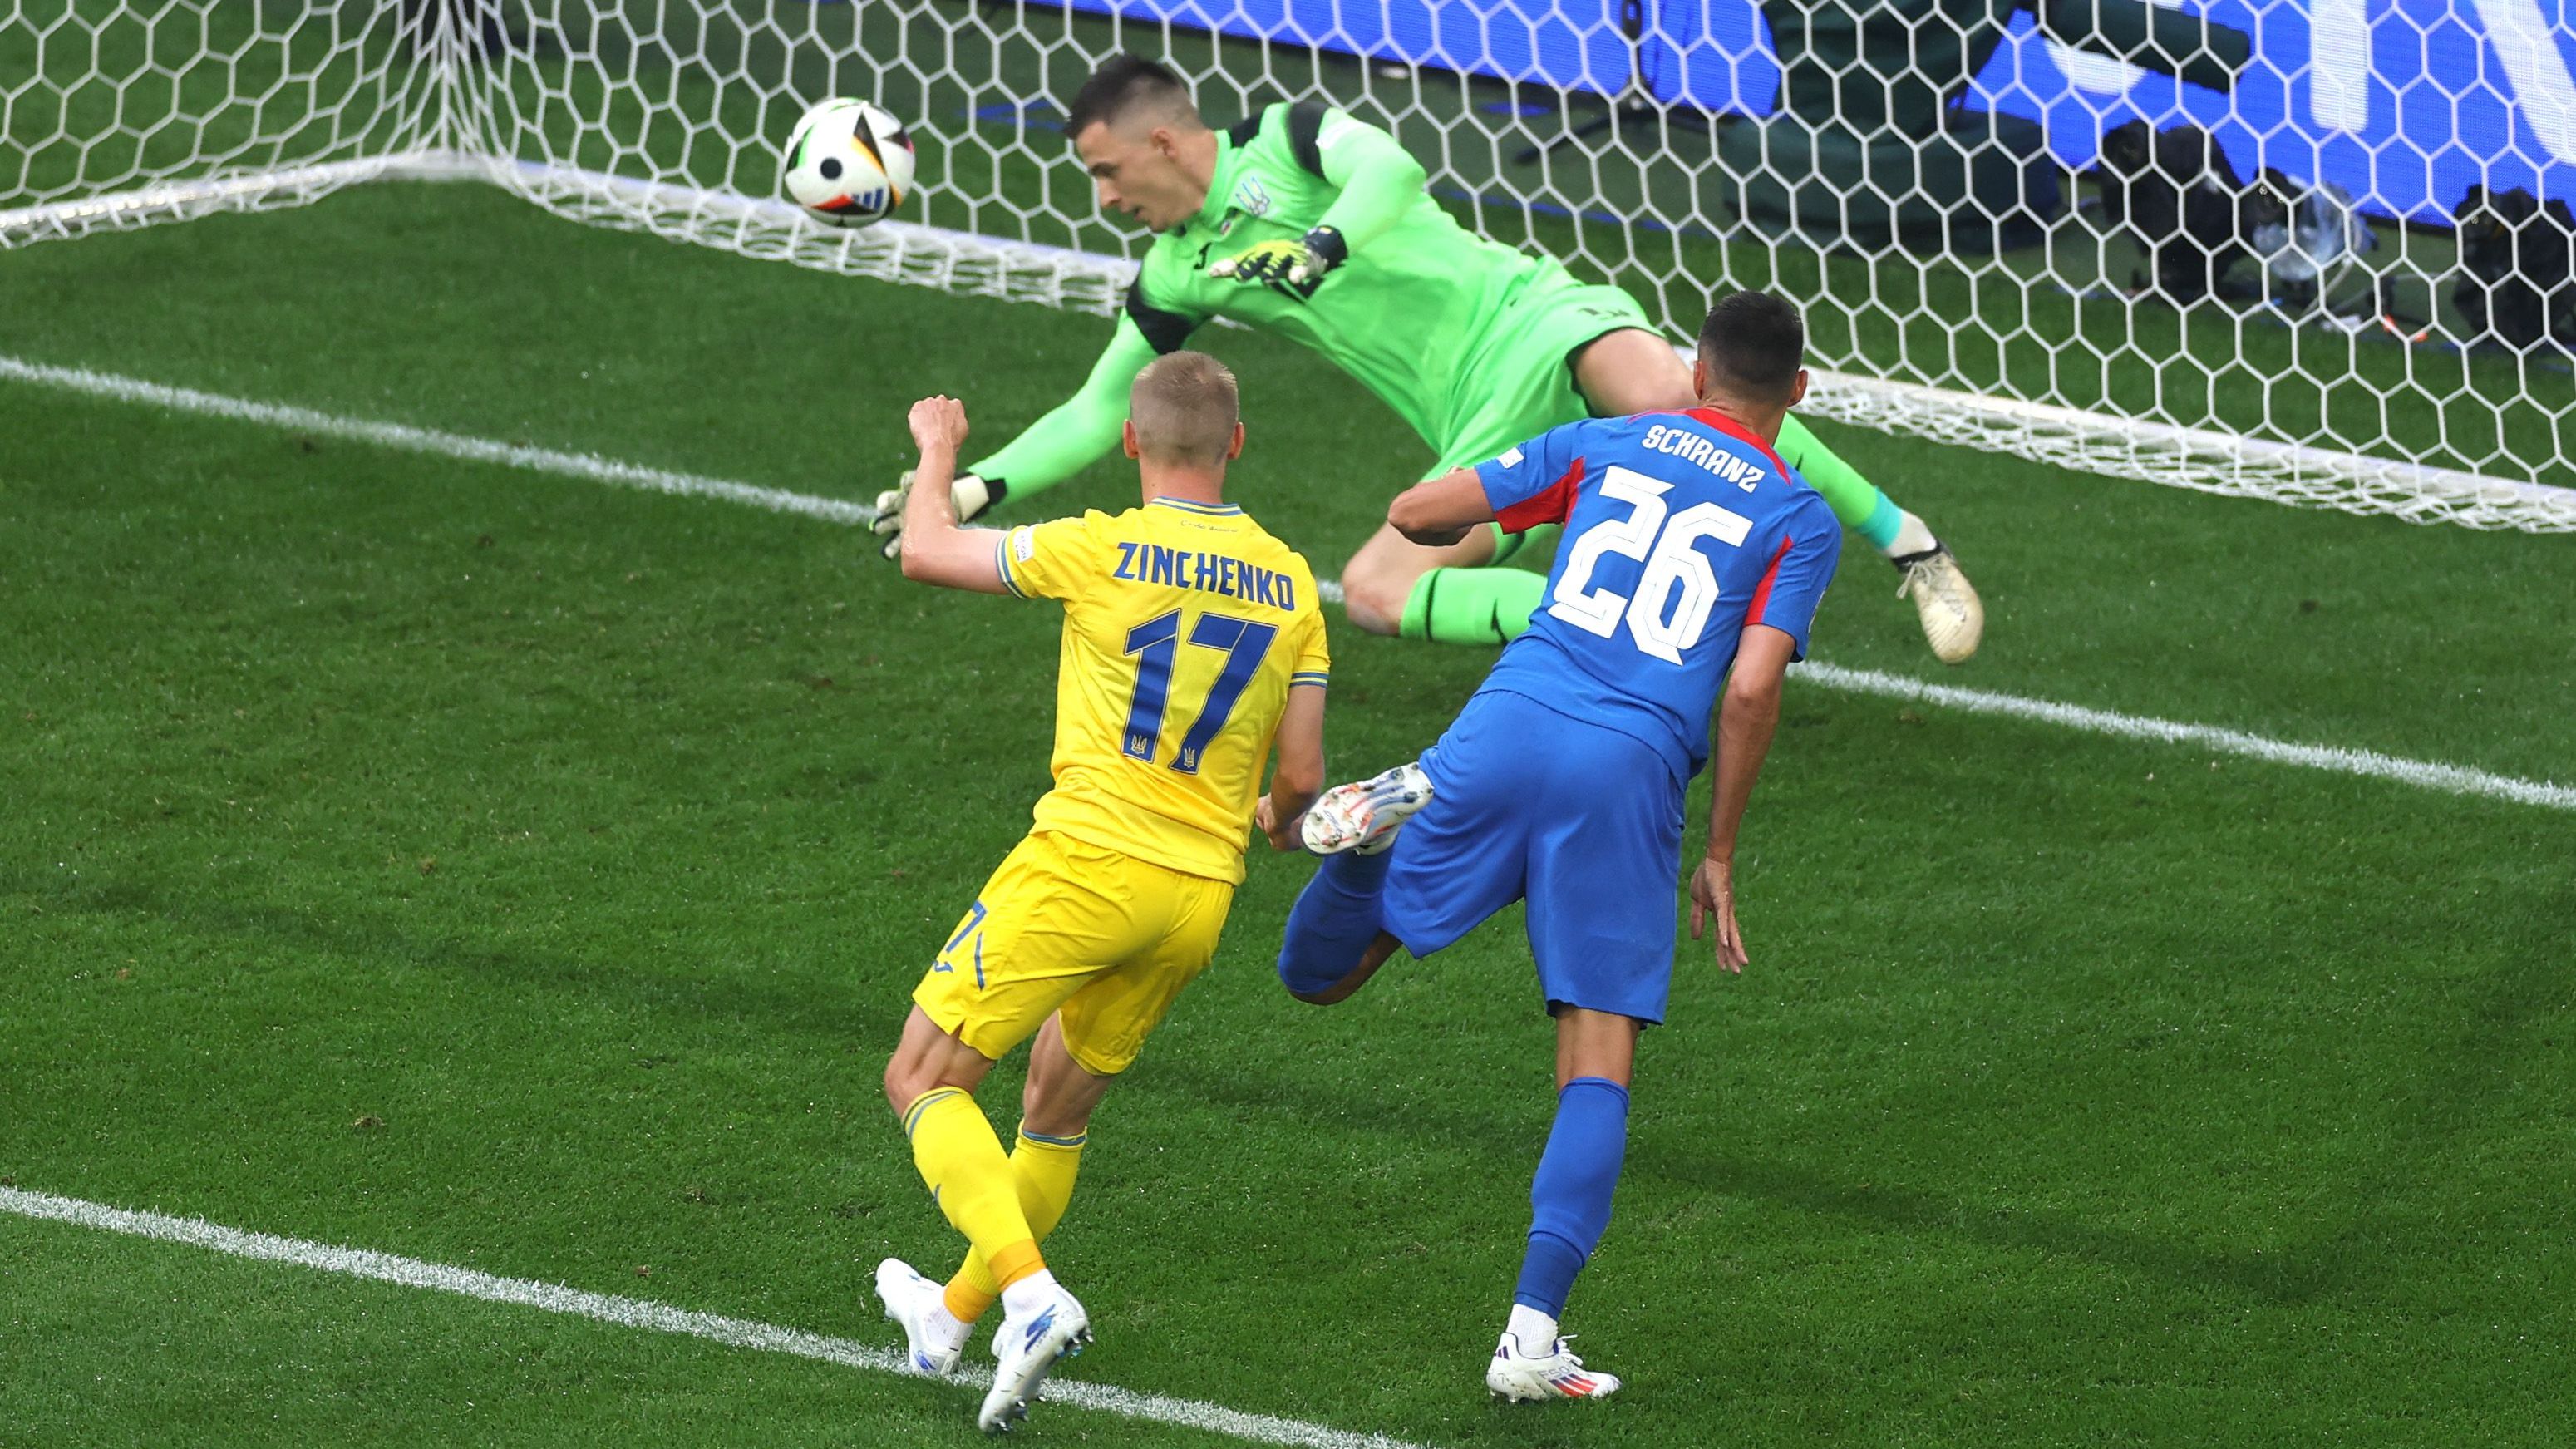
(1309, 223)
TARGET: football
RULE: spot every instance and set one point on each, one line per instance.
(847, 163)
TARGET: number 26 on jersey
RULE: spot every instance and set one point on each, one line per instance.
(1678, 588)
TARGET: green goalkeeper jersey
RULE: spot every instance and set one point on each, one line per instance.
(1424, 312)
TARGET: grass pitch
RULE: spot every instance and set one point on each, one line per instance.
(507, 871)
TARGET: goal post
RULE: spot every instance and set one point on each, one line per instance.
(1922, 207)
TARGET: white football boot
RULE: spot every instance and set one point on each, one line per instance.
(1362, 816)
(1555, 1374)
(1953, 617)
(919, 1305)
(1026, 1350)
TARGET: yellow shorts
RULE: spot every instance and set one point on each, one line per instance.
(1064, 925)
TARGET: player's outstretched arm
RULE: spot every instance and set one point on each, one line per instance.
(1081, 430)
(1377, 181)
(1440, 512)
(935, 548)
(1072, 437)
(1745, 720)
(1300, 775)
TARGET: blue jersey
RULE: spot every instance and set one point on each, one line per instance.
(1680, 530)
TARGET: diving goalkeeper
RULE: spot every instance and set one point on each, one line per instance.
(1309, 223)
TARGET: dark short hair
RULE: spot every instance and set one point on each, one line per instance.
(1124, 82)
(1754, 343)
(1184, 407)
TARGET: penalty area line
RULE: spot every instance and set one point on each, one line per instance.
(2368, 764)
(637, 1313)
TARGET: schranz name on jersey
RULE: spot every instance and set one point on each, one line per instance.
(1696, 448)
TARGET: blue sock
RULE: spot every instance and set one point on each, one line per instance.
(1333, 922)
(1570, 1197)
(1884, 520)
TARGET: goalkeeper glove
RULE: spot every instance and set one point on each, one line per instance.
(971, 492)
(1298, 265)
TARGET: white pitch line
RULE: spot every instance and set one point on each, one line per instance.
(430, 440)
(658, 1317)
(2423, 774)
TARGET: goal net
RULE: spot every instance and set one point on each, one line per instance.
(2307, 250)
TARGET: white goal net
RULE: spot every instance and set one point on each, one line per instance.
(2307, 250)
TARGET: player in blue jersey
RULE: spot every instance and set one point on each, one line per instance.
(1692, 563)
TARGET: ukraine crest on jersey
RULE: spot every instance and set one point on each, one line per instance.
(1185, 626)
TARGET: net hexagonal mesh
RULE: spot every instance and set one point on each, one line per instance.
(2312, 252)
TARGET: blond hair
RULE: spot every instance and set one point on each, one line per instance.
(1185, 409)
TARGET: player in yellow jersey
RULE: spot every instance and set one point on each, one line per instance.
(1192, 642)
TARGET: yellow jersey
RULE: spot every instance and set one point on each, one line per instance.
(1185, 626)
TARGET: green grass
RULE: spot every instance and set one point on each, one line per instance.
(2081, 1092)
(333, 1361)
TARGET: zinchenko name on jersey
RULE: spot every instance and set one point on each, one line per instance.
(1214, 573)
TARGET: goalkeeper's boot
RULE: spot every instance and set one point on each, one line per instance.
(1554, 1373)
(1026, 1349)
(1364, 815)
(1954, 618)
(933, 1336)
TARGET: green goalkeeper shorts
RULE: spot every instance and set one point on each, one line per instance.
(1525, 376)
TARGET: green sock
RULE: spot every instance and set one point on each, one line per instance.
(1472, 606)
(1855, 500)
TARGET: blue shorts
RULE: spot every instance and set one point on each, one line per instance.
(1583, 821)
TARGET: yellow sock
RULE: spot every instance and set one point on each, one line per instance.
(971, 1180)
(1044, 1169)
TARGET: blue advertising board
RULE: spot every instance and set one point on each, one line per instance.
(2403, 103)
